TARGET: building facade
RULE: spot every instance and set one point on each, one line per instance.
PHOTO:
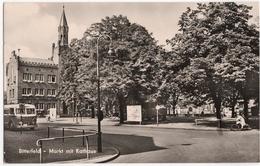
(36, 81)
(32, 81)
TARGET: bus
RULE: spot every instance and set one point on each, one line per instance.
(20, 116)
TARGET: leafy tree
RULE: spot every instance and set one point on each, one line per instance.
(68, 70)
(167, 92)
(231, 98)
(133, 68)
(71, 86)
(218, 46)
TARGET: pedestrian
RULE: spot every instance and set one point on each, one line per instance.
(202, 113)
(240, 121)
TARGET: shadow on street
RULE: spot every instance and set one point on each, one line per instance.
(130, 144)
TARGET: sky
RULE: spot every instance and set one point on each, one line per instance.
(33, 27)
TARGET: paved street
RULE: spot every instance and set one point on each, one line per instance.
(144, 144)
(174, 145)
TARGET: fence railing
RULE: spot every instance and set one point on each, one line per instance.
(68, 128)
(85, 139)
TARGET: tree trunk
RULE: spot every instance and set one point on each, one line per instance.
(218, 111)
(246, 109)
(122, 106)
(92, 112)
(234, 102)
(233, 111)
(64, 108)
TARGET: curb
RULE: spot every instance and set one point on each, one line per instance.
(179, 128)
(103, 159)
(110, 158)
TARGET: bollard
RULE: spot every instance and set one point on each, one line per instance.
(21, 129)
(41, 155)
(48, 131)
(63, 134)
(87, 147)
(83, 138)
(157, 117)
(87, 140)
(21, 125)
(77, 118)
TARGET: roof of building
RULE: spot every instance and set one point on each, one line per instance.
(37, 61)
(19, 105)
(63, 20)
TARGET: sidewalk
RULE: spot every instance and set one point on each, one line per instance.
(83, 121)
(115, 122)
(184, 126)
(209, 124)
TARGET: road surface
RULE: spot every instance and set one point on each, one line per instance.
(156, 145)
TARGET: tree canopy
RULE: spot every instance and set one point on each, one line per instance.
(219, 47)
(213, 58)
(132, 69)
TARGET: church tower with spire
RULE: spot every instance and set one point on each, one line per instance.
(63, 41)
(63, 30)
(58, 51)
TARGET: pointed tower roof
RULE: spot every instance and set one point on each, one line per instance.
(63, 20)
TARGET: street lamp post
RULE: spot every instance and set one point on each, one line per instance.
(75, 108)
(74, 102)
(99, 140)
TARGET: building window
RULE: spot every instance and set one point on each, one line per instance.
(12, 74)
(53, 92)
(36, 92)
(51, 79)
(41, 92)
(48, 106)
(27, 92)
(27, 77)
(51, 105)
(39, 78)
(12, 92)
(24, 91)
(48, 92)
(39, 106)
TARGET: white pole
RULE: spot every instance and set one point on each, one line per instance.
(40, 155)
(86, 139)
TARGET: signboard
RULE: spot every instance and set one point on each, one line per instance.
(52, 114)
(134, 113)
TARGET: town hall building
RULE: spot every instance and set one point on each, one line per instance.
(35, 80)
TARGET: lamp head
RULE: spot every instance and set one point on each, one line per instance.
(110, 52)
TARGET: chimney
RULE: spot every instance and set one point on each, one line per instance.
(13, 53)
(52, 51)
(19, 51)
